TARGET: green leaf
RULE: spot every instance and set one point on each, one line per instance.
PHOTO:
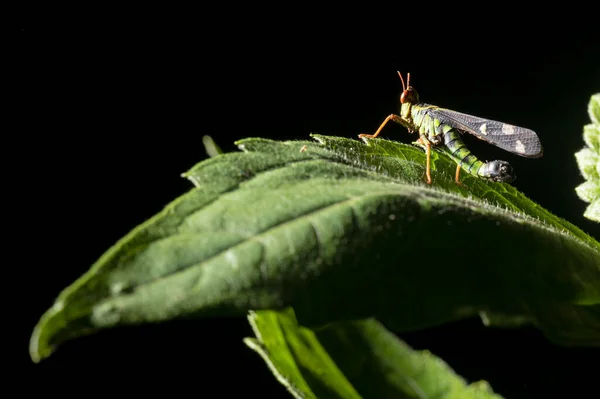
(358, 359)
(594, 109)
(588, 160)
(340, 230)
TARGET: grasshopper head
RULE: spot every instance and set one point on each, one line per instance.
(409, 95)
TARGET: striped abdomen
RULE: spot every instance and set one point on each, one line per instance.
(444, 135)
(458, 151)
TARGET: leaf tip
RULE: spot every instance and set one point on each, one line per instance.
(592, 212)
(594, 108)
(190, 175)
(40, 346)
(253, 344)
(36, 351)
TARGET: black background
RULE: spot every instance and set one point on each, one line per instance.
(110, 116)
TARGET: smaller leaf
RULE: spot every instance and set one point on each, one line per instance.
(588, 191)
(357, 359)
(594, 109)
(296, 357)
(588, 160)
(593, 211)
(591, 136)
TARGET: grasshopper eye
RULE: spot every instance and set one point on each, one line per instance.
(409, 95)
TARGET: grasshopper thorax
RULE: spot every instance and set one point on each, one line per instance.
(409, 95)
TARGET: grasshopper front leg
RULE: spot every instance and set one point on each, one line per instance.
(392, 117)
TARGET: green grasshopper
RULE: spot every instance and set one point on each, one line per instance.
(443, 127)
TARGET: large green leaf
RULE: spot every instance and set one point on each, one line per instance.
(357, 359)
(588, 160)
(340, 230)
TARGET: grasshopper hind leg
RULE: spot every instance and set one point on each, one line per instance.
(457, 175)
(424, 142)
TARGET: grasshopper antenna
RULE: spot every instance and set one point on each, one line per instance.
(402, 79)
